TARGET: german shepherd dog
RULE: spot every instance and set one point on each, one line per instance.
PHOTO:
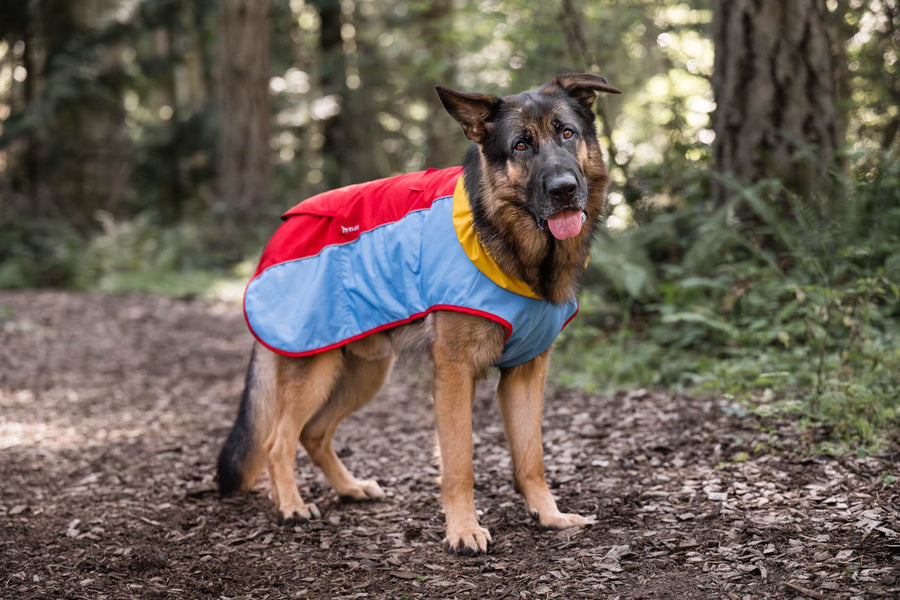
(536, 185)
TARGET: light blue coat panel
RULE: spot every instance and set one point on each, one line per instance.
(389, 276)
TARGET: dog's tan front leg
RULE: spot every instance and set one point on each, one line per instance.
(454, 388)
(464, 347)
(521, 396)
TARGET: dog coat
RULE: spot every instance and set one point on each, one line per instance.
(364, 258)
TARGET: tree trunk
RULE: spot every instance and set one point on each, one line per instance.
(333, 79)
(32, 151)
(582, 57)
(444, 145)
(350, 148)
(244, 62)
(774, 84)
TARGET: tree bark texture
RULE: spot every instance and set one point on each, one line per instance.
(244, 63)
(774, 84)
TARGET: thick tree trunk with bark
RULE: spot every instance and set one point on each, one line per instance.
(774, 83)
(245, 160)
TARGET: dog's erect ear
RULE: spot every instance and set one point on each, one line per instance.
(580, 86)
(473, 111)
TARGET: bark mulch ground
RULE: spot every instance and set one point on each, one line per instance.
(113, 408)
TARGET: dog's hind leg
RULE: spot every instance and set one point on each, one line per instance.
(366, 366)
(521, 396)
(303, 386)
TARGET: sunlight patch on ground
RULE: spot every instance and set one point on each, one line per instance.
(54, 436)
(227, 290)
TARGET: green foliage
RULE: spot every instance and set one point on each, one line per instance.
(141, 255)
(799, 311)
(135, 255)
(38, 252)
(871, 32)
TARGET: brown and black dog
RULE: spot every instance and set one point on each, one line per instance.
(536, 184)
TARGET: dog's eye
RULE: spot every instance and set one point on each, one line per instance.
(521, 146)
(568, 134)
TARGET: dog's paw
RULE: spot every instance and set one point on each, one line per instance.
(559, 520)
(298, 514)
(468, 541)
(362, 490)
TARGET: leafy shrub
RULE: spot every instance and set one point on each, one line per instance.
(142, 255)
(37, 253)
(799, 307)
(138, 254)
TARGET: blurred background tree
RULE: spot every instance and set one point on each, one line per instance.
(244, 171)
(753, 239)
(775, 83)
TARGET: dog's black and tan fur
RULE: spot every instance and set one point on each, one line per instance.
(534, 154)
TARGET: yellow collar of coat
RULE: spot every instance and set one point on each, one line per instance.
(475, 250)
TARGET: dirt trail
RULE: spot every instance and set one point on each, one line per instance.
(113, 408)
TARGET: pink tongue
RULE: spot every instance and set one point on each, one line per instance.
(566, 224)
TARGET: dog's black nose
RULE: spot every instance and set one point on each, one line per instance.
(561, 187)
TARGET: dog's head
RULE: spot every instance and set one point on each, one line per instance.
(538, 150)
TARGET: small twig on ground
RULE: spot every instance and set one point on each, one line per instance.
(806, 592)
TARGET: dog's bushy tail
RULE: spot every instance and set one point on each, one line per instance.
(243, 456)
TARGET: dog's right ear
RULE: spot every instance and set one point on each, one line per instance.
(473, 111)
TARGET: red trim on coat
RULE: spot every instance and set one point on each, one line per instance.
(569, 320)
(462, 309)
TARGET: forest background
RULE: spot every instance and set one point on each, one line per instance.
(751, 247)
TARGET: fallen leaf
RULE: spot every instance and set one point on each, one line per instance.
(406, 575)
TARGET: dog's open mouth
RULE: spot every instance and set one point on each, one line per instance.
(566, 223)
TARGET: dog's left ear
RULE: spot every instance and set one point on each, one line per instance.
(581, 86)
(473, 111)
